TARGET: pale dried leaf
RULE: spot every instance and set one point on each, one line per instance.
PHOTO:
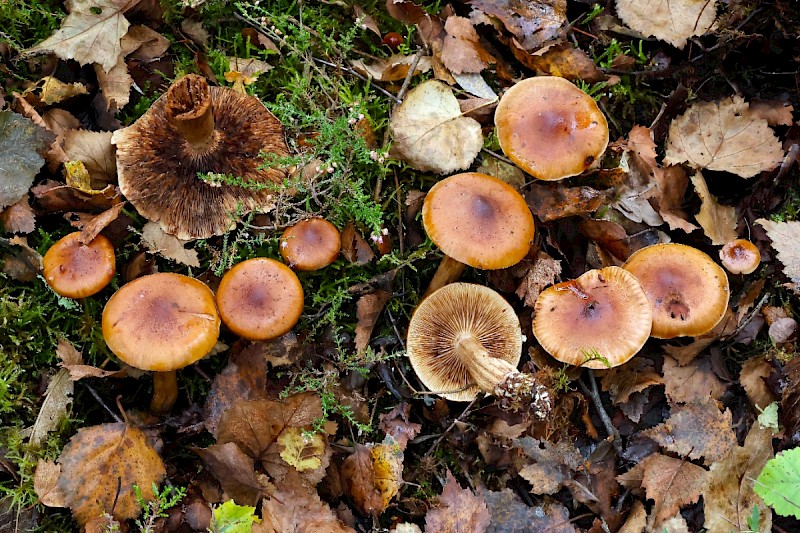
(693, 382)
(753, 376)
(544, 272)
(365, 21)
(718, 221)
(637, 519)
(673, 21)
(775, 112)
(459, 510)
(55, 90)
(54, 407)
(785, 238)
(475, 85)
(169, 246)
(724, 136)
(95, 150)
(21, 144)
(430, 133)
(91, 33)
(509, 514)
(45, 484)
(728, 496)
(115, 85)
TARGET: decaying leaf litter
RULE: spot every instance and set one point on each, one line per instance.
(191, 135)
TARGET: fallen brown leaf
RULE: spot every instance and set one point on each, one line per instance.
(93, 227)
(718, 221)
(510, 514)
(94, 149)
(18, 217)
(358, 477)
(54, 90)
(45, 484)
(775, 112)
(785, 238)
(563, 60)
(235, 471)
(462, 51)
(755, 371)
(544, 272)
(532, 23)
(672, 183)
(673, 21)
(368, 309)
(354, 247)
(553, 201)
(693, 382)
(459, 510)
(635, 376)
(394, 68)
(554, 464)
(396, 423)
(169, 246)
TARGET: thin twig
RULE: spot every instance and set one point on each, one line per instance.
(594, 394)
(101, 402)
(463, 414)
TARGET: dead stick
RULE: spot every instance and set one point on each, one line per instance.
(594, 394)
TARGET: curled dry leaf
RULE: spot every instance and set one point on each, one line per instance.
(18, 218)
(169, 246)
(368, 309)
(695, 430)
(563, 60)
(724, 136)
(235, 471)
(55, 90)
(22, 144)
(396, 423)
(462, 52)
(430, 132)
(96, 224)
(458, 510)
(394, 68)
(94, 149)
(387, 464)
(100, 467)
(673, 21)
(532, 23)
(753, 378)
(775, 112)
(91, 33)
(358, 478)
(544, 272)
(718, 221)
(23, 264)
(728, 497)
(58, 396)
(553, 201)
(785, 238)
(634, 376)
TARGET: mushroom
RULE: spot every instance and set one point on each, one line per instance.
(476, 220)
(687, 289)
(466, 338)
(599, 320)
(195, 129)
(550, 128)
(740, 256)
(161, 322)
(77, 270)
(311, 244)
(260, 299)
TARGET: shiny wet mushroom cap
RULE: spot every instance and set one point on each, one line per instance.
(601, 317)
(311, 244)
(78, 270)
(740, 257)
(195, 129)
(687, 289)
(260, 299)
(550, 128)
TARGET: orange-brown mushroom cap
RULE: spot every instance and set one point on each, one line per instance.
(740, 256)
(453, 312)
(478, 220)
(260, 299)
(687, 289)
(195, 129)
(602, 313)
(550, 128)
(311, 244)
(78, 270)
(161, 322)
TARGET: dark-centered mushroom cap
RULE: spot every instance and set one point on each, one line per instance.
(78, 270)
(687, 289)
(478, 220)
(602, 313)
(158, 164)
(311, 244)
(260, 299)
(441, 319)
(550, 128)
(161, 322)
(740, 256)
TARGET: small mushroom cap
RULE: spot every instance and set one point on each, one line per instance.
(158, 167)
(687, 289)
(740, 256)
(161, 322)
(603, 312)
(442, 318)
(478, 220)
(311, 244)
(260, 299)
(550, 128)
(77, 270)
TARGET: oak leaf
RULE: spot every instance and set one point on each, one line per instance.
(91, 33)
(459, 510)
(785, 238)
(724, 136)
(100, 466)
(718, 221)
(430, 132)
(673, 21)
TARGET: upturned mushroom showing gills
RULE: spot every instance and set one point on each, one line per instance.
(311, 244)
(599, 320)
(550, 128)
(476, 220)
(260, 299)
(740, 257)
(686, 288)
(161, 322)
(78, 270)
(464, 339)
(196, 129)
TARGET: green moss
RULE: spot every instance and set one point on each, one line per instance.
(24, 23)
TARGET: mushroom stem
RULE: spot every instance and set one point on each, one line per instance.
(449, 271)
(188, 109)
(515, 390)
(165, 391)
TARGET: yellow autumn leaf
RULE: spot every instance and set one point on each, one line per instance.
(300, 449)
(387, 463)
